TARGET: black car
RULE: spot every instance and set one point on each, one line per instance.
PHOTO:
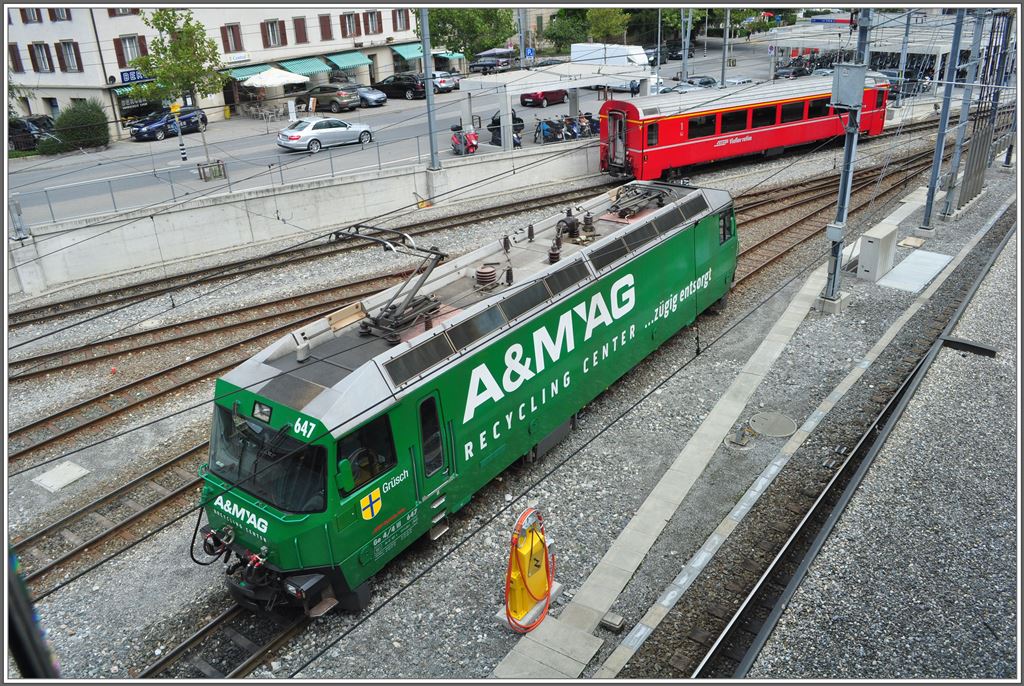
(24, 132)
(405, 85)
(702, 81)
(677, 53)
(490, 65)
(159, 125)
(792, 72)
(549, 62)
(652, 55)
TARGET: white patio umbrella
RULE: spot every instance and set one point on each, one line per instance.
(274, 77)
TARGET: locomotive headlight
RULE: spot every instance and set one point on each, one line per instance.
(293, 590)
(261, 412)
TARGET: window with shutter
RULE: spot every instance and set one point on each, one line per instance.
(400, 20)
(31, 16)
(41, 61)
(284, 34)
(350, 25)
(265, 33)
(15, 58)
(231, 37)
(325, 27)
(61, 63)
(300, 29)
(119, 53)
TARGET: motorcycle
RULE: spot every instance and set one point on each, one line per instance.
(571, 129)
(463, 142)
(548, 131)
(592, 122)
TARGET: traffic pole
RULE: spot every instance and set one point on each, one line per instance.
(686, 42)
(428, 74)
(181, 141)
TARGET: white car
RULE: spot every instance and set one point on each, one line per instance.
(314, 133)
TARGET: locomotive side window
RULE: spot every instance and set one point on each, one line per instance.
(734, 121)
(725, 226)
(817, 108)
(525, 300)
(764, 116)
(652, 134)
(702, 126)
(418, 359)
(476, 327)
(793, 111)
(370, 451)
(430, 437)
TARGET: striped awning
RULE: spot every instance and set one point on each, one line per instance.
(409, 51)
(242, 73)
(122, 91)
(306, 66)
(348, 60)
(452, 55)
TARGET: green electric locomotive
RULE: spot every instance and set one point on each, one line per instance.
(343, 442)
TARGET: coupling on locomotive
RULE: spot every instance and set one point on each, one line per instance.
(345, 441)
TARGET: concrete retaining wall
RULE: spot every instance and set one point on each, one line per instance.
(69, 252)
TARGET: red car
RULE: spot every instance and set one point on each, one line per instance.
(543, 98)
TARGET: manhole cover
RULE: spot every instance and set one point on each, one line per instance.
(772, 424)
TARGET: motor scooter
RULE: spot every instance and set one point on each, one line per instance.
(548, 131)
(464, 142)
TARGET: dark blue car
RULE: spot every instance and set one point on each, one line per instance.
(159, 125)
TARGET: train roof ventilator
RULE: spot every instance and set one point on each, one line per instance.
(529, 578)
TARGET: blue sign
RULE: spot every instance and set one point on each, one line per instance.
(529, 52)
(131, 76)
(829, 21)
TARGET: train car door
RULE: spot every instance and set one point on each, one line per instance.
(617, 138)
(434, 460)
(705, 249)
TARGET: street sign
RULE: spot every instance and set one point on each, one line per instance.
(175, 108)
(529, 52)
(824, 20)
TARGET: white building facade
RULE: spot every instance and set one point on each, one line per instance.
(59, 55)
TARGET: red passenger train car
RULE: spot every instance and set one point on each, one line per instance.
(657, 136)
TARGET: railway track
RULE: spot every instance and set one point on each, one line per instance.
(731, 642)
(230, 646)
(147, 289)
(76, 420)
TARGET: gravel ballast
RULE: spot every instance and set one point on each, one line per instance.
(918, 580)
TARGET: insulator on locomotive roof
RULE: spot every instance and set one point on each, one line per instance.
(506, 244)
(508, 275)
(485, 275)
(554, 254)
(529, 233)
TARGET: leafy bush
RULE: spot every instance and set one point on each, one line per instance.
(82, 125)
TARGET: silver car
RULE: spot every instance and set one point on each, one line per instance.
(313, 133)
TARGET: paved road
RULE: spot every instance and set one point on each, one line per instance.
(131, 174)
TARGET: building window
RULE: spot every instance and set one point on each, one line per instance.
(60, 14)
(130, 45)
(300, 29)
(31, 16)
(400, 19)
(350, 25)
(15, 58)
(41, 57)
(325, 27)
(68, 56)
(121, 12)
(231, 37)
(273, 33)
(127, 48)
(540, 23)
(371, 20)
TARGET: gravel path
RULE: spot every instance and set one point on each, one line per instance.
(586, 502)
(918, 580)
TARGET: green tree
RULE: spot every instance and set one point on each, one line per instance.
(14, 91)
(606, 24)
(81, 125)
(182, 60)
(471, 31)
(563, 31)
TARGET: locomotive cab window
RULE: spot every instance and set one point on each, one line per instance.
(725, 227)
(817, 108)
(702, 126)
(430, 437)
(792, 111)
(652, 134)
(734, 121)
(370, 451)
(764, 116)
(268, 463)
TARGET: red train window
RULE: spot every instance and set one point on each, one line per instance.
(652, 134)
(793, 111)
(764, 116)
(734, 121)
(702, 126)
(817, 108)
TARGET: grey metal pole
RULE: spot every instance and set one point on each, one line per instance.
(522, 38)
(428, 72)
(836, 231)
(49, 204)
(903, 61)
(110, 187)
(657, 57)
(1000, 76)
(725, 46)
(947, 95)
(965, 109)
(1013, 130)
(686, 41)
